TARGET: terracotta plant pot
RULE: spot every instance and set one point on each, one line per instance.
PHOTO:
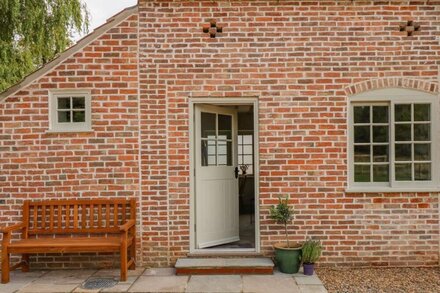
(309, 268)
(288, 258)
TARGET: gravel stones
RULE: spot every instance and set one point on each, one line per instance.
(375, 280)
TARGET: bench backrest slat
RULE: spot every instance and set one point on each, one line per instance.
(77, 216)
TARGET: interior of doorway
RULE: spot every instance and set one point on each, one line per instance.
(246, 179)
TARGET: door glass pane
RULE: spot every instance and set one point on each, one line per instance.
(422, 132)
(422, 152)
(361, 114)
(422, 112)
(403, 172)
(224, 153)
(403, 152)
(208, 125)
(422, 171)
(403, 132)
(380, 114)
(380, 173)
(402, 112)
(64, 116)
(380, 133)
(209, 156)
(362, 173)
(63, 103)
(79, 103)
(361, 134)
(224, 126)
(380, 153)
(362, 153)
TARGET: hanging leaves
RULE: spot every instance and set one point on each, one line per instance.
(33, 32)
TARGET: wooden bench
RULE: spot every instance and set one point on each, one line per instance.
(72, 226)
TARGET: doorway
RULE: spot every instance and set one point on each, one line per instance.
(224, 205)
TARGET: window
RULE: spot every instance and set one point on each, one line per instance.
(246, 151)
(70, 111)
(392, 141)
(216, 139)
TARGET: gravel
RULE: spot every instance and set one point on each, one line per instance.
(387, 280)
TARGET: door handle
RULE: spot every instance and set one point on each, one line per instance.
(236, 172)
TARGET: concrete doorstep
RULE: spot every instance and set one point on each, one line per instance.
(160, 280)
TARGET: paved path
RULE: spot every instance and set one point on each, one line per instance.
(159, 280)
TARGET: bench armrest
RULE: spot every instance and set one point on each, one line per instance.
(11, 228)
(127, 226)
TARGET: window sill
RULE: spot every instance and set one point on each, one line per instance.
(390, 189)
(70, 131)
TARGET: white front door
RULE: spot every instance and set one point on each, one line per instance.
(217, 215)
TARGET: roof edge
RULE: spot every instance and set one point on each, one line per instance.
(85, 41)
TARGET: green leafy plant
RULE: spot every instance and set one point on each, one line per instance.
(283, 214)
(311, 251)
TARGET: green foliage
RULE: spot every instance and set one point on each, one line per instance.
(33, 32)
(282, 213)
(311, 251)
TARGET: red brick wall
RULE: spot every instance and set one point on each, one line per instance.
(102, 163)
(301, 59)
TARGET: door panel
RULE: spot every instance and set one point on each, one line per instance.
(217, 214)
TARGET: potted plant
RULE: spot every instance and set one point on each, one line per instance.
(311, 252)
(287, 255)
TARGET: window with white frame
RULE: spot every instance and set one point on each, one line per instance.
(393, 140)
(70, 111)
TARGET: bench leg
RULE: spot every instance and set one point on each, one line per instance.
(25, 263)
(124, 262)
(5, 266)
(133, 255)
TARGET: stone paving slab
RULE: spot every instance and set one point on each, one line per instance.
(146, 284)
(215, 284)
(160, 280)
(276, 283)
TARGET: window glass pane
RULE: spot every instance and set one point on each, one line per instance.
(422, 132)
(209, 157)
(79, 116)
(64, 116)
(403, 152)
(240, 139)
(79, 103)
(422, 152)
(403, 132)
(403, 172)
(380, 114)
(247, 149)
(362, 153)
(380, 153)
(422, 171)
(224, 126)
(248, 159)
(63, 103)
(362, 173)
(208, 125)
(422, 112)
(361, 134)
(361, 114)
(380, 133)
(247, 139)
(380, 173)
(402, 112)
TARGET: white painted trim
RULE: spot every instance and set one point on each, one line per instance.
(55, 126)
(223, 101)
(391, 96)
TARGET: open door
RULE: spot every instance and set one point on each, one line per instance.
(217, 214)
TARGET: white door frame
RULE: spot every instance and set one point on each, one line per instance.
(222, 101)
